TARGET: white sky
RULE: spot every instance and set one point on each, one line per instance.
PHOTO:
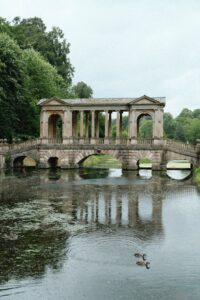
(127, 48)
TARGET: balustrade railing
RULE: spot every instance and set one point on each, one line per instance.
(97, 141)
(145, 141)
(25, 144)
(179, 145)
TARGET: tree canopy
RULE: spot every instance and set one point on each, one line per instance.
(82, 90)
(32, 33)
(34, 64)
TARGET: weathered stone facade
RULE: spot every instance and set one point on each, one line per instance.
(76, 113)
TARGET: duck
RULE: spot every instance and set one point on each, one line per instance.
(143, 264)
(143, 256)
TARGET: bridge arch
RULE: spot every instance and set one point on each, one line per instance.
(174, 156)
(24, 161)
(82, 156)
(53, 162)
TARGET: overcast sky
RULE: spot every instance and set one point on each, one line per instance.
(127, 48)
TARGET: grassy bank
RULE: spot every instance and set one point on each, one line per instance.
(101, 161)
(197, 175)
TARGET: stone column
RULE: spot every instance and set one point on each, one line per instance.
(158, 126)
(44, 125)
(110, 125)
(106, 139)
(118, 128)
(67, 127)
(81, 124)
(120, 124)
(93, 128)
(132, 126)
(97, 124)
(74, 124)
(87, 124)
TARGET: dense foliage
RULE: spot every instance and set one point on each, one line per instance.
(34, 64)
(185, 127)
(82, 90)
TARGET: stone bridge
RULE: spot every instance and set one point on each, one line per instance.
(72, 155)
(73, 129)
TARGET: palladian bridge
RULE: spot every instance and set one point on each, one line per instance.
(71, 130)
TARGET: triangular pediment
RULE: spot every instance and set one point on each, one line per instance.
(52, 101)
(144, 100)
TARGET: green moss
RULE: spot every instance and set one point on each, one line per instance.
(197, 175)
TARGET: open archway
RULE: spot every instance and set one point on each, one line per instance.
(53, 162)
(100, 161)
(145, 126)
(55, 127)
(180, 169)
(24, 161)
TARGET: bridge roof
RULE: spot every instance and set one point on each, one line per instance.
(103, 101)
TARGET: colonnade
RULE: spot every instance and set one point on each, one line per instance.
(75, 124)
(85, 124)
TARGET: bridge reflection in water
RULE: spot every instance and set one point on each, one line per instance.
(133, 203)
(55, 205)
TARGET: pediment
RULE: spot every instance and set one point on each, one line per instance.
(52, 102)
(144, 100)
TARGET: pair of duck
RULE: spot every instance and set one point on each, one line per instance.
(142, 263)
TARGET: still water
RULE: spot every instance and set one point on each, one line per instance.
(73, 234)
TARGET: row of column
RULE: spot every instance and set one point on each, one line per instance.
(70, 124)
(84, 124)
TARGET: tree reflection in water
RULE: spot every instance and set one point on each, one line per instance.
(45, 207)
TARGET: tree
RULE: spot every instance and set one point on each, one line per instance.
(180, 133)
(11, 81)
(82, 90)
(196, 113)
(193, 131)
(169, 125)
(32, 33)
(185, 113)
(146, 128)
(43, 80)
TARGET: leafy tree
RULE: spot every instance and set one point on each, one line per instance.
(43, 80)
(5, 26)
(196, 113)
(185, 113)
(146, 128)
(193, 131)
(32, 33)
(82, 90)
(11, 81)
(169, 125)
(180, 133)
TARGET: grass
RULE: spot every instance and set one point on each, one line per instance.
(179, 164)
(101, 160)
(197, 175)
(29, 162)
(145, 161)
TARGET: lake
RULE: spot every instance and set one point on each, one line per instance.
(72, 234)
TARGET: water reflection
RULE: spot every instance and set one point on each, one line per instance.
(41, 209)
(61, 217)
(145, 174)
(179, 174)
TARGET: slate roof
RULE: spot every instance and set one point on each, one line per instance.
(101, 101)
